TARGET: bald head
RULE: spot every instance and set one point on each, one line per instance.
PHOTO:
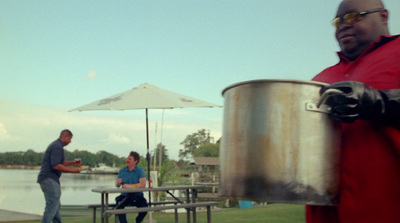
(365, 3)
(66, 136)
(355, 38)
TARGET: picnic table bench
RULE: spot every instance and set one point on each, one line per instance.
(114, 205)
(188, 207)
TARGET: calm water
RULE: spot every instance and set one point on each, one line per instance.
(20, 192)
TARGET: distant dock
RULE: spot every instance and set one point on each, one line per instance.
(11, 216)
(67, 211)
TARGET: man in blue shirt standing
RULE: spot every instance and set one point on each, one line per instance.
(53, 163)
(131, 176)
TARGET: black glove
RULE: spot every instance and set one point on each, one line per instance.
(391, 115)
(356, 101)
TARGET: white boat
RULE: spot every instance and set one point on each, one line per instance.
(102, 168)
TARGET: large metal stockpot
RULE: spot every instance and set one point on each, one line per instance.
(278, 144)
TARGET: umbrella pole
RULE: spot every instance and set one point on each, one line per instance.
(148, 160)
(148, 153)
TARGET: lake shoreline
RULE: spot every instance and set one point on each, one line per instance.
(17, 185)
(20, 167)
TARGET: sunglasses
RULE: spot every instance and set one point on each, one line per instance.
(352, 17)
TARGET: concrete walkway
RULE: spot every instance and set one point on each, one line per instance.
(10, 216)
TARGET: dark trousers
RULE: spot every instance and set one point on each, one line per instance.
(131, 200)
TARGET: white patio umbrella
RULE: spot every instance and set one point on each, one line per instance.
(145, 96)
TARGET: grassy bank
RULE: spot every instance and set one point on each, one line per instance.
(282, 213)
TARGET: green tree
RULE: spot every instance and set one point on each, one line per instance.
(168, 172)
(88, 159)
(32, 158)
(182, 163)
(164, 154)
(142, 163)
(193, 142)
(107, 158)
(2, 159)
(207, 150)
(13, 158)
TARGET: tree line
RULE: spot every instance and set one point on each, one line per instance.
(33, 158)
(198, 144)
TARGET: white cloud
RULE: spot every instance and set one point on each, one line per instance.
(116, 138)
(91, 75)
(3, 133)
(30, 127)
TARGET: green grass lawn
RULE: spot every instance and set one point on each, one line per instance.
(280, 213)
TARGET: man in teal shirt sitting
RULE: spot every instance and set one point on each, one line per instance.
(131, 176)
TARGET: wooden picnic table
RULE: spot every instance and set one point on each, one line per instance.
(189, 204)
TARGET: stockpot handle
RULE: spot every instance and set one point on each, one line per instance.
(321, 106)
(326, 94)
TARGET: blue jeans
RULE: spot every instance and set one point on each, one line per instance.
(52, 194)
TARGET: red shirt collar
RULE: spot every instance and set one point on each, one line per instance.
(382, 40)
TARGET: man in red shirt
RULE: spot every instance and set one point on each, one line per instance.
(368, 74)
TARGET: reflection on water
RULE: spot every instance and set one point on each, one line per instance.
(20, 192)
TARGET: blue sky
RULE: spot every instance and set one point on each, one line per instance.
(59, 55)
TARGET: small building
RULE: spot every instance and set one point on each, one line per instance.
(206, 172)
(206, 166)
